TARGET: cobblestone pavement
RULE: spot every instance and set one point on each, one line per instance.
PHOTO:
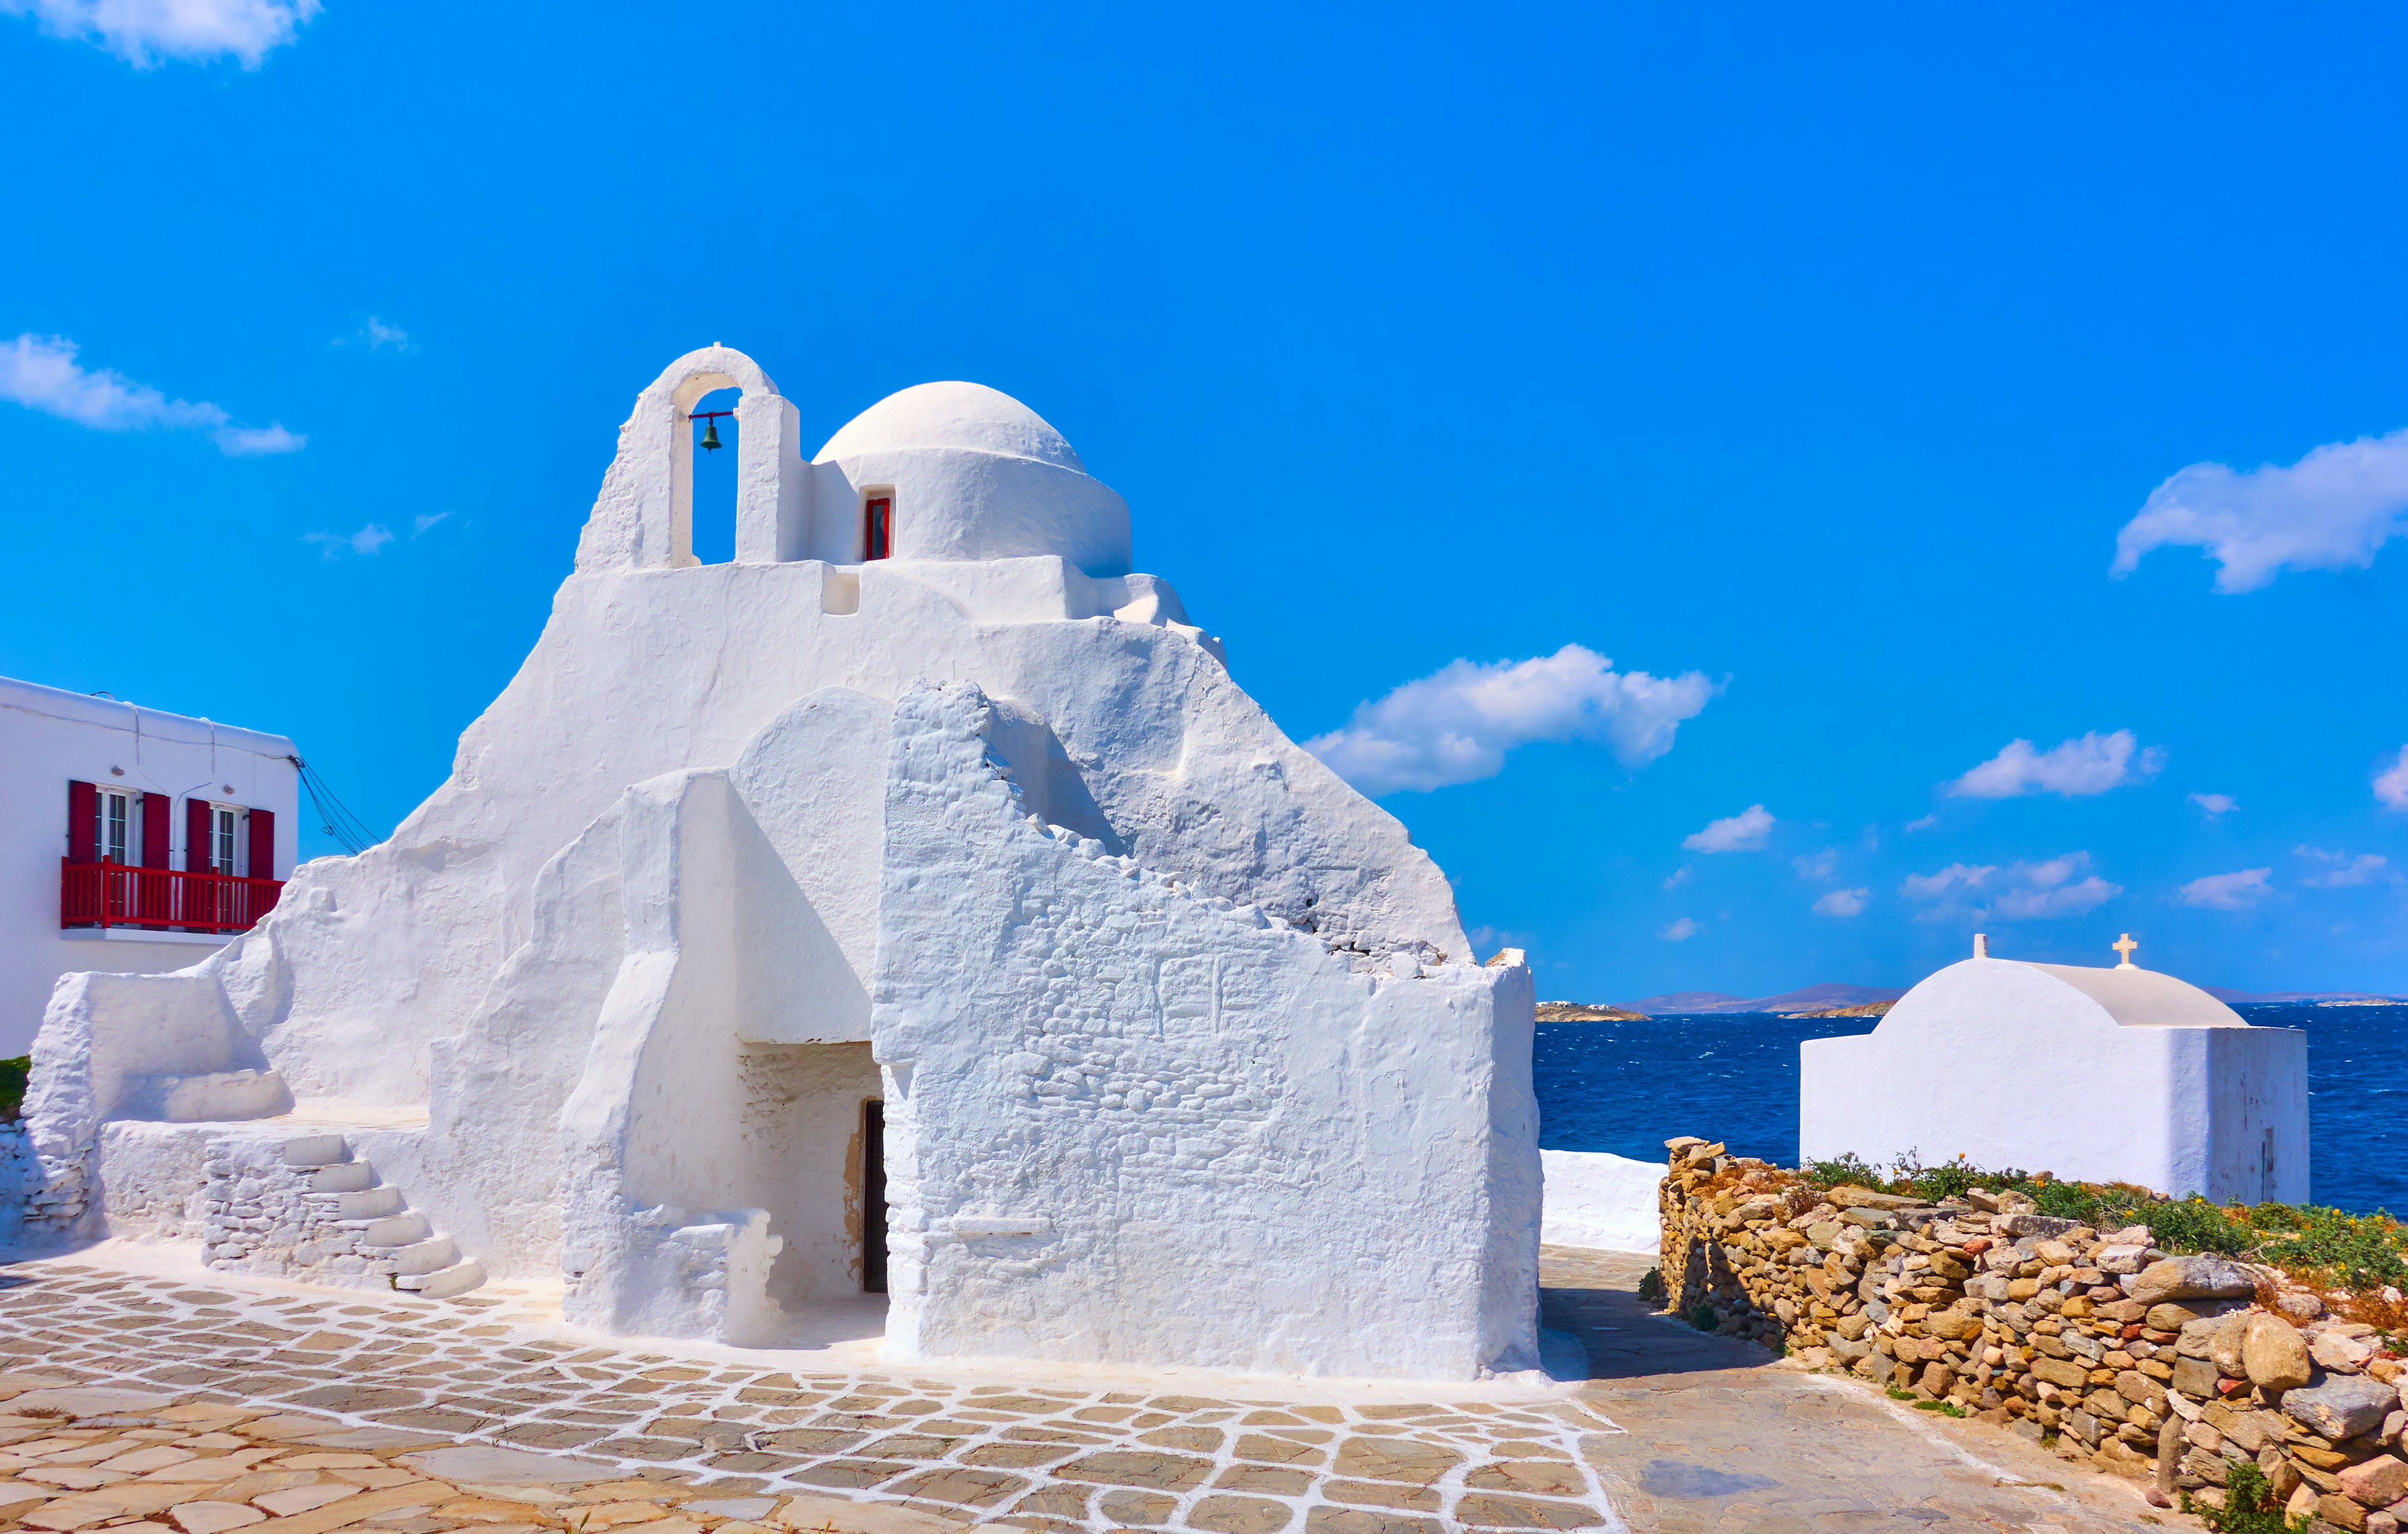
(1720, 1439)
(160, 1403)
(332, 1410)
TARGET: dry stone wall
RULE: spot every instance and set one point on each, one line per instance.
(2169, 1369)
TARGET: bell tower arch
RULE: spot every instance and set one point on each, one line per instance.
(644, 518)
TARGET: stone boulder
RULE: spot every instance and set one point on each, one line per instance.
(2378, 1483)
(2191, 1278)
(2275, 1355)
(2345, 1406)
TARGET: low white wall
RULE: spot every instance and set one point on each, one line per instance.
(1596, 1199)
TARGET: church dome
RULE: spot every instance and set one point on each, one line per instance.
(961, 415)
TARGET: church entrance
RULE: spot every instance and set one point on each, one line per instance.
(873, 1196)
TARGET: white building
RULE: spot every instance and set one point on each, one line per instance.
(197, 819)
(908, 929)
(2119, 1074)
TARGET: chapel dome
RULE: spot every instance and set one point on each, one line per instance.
(962, 415)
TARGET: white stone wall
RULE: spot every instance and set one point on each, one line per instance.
(1601, 1201)
(1128, 1121)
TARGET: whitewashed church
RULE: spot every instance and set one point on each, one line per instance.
(2107, 1074)
(907, 930)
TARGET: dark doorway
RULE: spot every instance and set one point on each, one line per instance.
(873, 1198)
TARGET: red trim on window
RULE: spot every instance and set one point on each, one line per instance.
(877, 528)
(154, 830)
(83, 822)
(197, 836)
(263, 843)
(151, 895)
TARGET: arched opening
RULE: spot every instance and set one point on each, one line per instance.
(713, 476)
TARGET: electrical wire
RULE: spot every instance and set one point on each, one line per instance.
(335, 819)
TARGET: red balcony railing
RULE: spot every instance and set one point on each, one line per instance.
(110, 894)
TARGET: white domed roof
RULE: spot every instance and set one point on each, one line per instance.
(952, 415)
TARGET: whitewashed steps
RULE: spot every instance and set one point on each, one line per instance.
(444, 1282)
(395, 1237)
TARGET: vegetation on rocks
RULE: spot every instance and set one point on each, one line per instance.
(2213, 1352)
(2328, 1250)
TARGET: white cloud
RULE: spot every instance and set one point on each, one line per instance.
(2391, 785)
(2215, 804)
(1955, 879)
(1457, 724)
(2228, 891)
(2334, 508)
(2340, 869)
(144, 32)
(379, 334)
(1843, 902)
(1679, 876)
(2019, 892)
(367, 540)
(2091, 766)
(1819, 868)
(424, 524)
(1921, 823)
(41, 373)
(1742, 832)
(1680, 932)
(2050, 890)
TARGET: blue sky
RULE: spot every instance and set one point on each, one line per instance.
(1804, 367)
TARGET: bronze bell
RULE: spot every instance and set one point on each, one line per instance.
(710, 436)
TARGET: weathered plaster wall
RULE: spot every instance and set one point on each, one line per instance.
(1128, 1121)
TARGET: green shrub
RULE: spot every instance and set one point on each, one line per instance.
(1702, 1316)
(2249, 1505)
(2325, 1247)
(1651, 1287)
(12, 1085)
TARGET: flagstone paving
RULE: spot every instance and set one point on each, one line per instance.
(292, 1412)
(153, 1403)
(1720, 1439)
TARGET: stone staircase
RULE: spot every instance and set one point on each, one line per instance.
(394, 1239)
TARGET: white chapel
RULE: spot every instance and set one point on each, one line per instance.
(2118, 1074)
(907, 934)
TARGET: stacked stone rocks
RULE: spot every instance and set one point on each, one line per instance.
(2171, 1369)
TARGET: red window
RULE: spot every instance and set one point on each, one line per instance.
(878, 527)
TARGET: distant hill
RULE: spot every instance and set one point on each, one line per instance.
(2300, 998)
(1813, 999)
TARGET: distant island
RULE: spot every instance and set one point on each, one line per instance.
(1825, 1000)
(1834, 999)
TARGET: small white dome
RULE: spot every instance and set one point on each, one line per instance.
(952, 415)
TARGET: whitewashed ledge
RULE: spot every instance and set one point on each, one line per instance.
(1601, 1201)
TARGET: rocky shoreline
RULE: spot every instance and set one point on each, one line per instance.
(2178, 1371)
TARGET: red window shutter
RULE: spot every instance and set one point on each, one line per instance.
(83, 823)
(196, 835)
(154, 830)
(150, 897)
(263, 843)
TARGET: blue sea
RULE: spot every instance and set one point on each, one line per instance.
(1628, 1088)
